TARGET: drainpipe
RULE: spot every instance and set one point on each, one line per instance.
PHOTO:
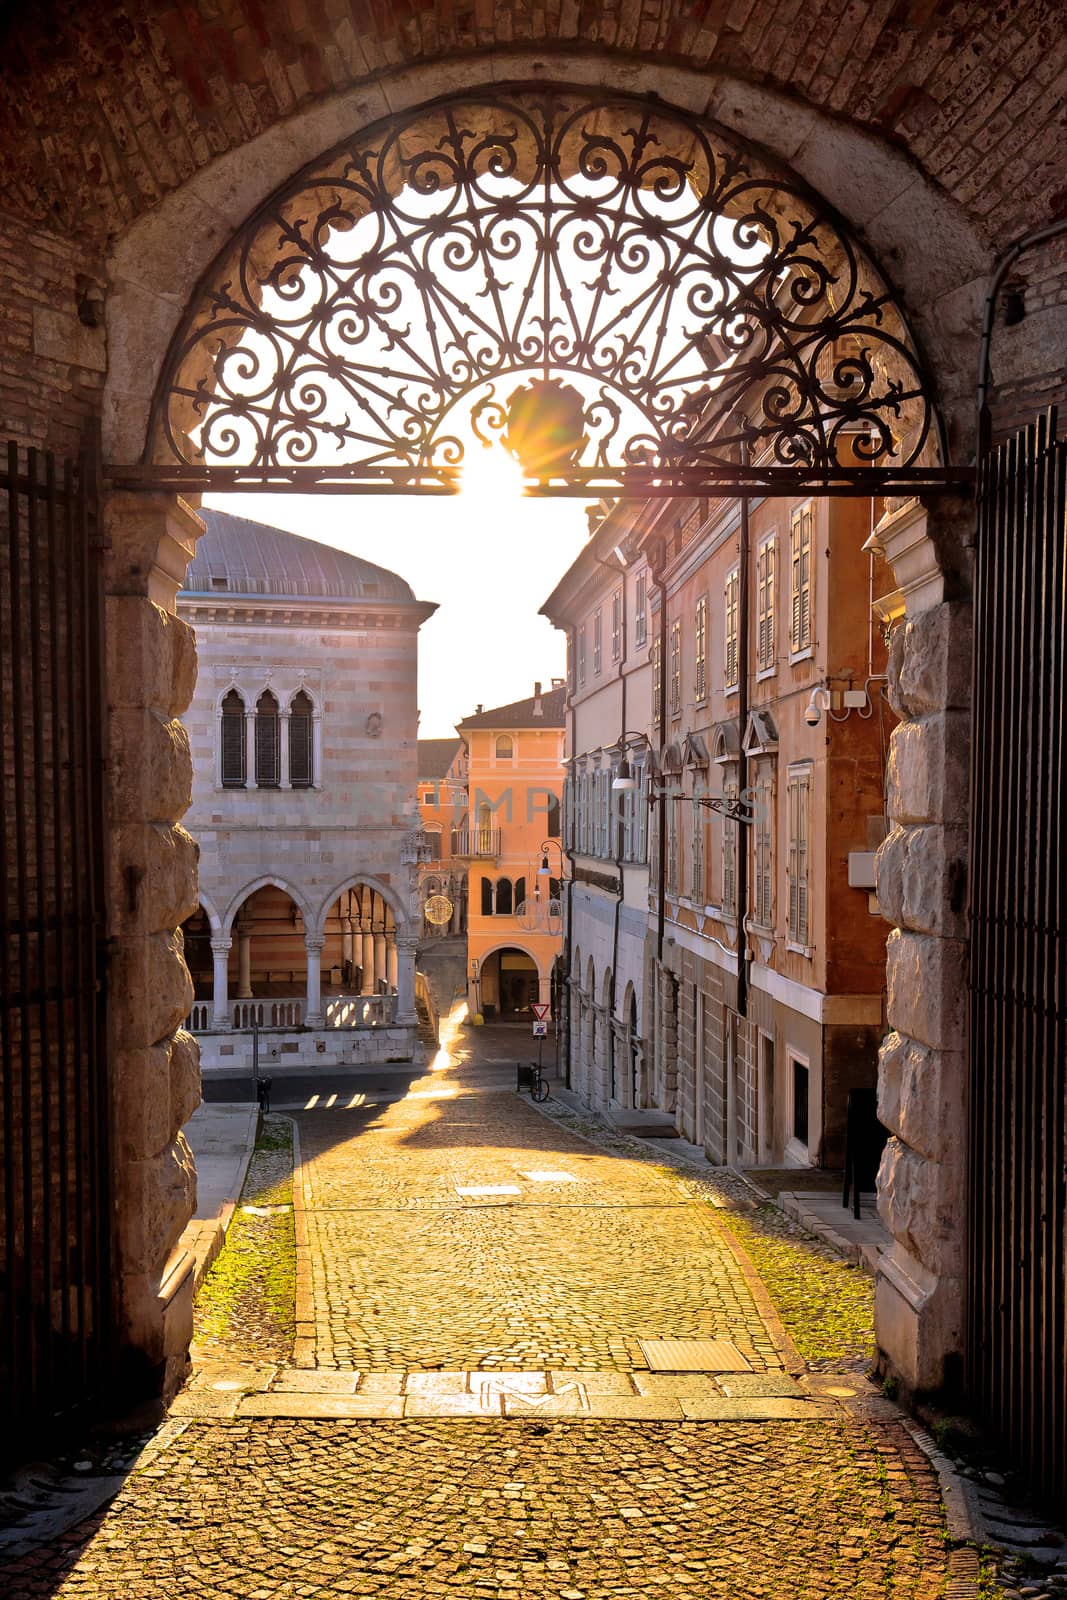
(657, 564)
(617, 828)
(568, 855)
(742, 759)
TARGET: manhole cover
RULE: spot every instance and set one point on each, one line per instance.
(693, 1355)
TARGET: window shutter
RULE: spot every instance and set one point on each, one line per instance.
(232, 741)
(300, 742)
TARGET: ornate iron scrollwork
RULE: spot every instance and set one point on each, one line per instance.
(415, 289)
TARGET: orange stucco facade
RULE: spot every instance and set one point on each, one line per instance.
(515, 783)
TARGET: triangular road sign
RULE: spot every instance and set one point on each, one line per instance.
(540, 1009)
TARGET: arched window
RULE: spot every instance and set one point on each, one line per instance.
(232, 741)
(301, 756)
(520, 892)
(268, 742)
(487, 897)
(552, 828)
(505, 747)
(503, 897)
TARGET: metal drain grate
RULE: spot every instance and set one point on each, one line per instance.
(693, 1355)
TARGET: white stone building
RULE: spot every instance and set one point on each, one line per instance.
(303, 732)
(603, 602)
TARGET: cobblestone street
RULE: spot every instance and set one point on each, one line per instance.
(469, 1407)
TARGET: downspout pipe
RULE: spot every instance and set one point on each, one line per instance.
(658, 565)
(1001, 267)
(617, 829)
(567, 854)
(741, 835)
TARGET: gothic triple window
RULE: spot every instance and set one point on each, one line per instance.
(257, 745)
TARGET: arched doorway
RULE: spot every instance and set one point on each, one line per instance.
(267, 966)
(199, 958)
(700, 436)
(359, 953)
(510, 983)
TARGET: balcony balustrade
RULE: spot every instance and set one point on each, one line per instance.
(476, 844)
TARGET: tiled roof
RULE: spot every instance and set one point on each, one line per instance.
(237, 556)
(436, 756)
(520, 714)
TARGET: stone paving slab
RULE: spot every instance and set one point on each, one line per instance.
(514, 1510)
(756, 1409)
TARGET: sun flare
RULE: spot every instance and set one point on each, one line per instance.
(491, 482)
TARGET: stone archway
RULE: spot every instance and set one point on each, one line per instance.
(153, 534)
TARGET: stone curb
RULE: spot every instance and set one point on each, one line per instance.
(204, 1239)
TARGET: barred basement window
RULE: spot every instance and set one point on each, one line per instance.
(268, 742)
(301, 759)
(232, 741)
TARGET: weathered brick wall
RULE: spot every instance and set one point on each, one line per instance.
(52, 361)
(106, 106)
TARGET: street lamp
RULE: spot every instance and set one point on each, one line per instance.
(625, 779)
(544, 870)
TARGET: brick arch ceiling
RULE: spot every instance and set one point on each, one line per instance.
(104, 108)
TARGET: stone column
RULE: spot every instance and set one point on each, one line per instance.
(392, 963)
(316, 749)
(250, 749)
(151, 864)
(313, 1017)
(921, 874)
(380, 961)
(244, 961)
(406, 945)
(367, 984)
(283, 753)
(220, 950)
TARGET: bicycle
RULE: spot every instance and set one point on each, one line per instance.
(530, 1076)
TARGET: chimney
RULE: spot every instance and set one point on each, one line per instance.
(479, 708)
(538, 708)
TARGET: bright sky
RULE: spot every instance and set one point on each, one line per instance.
(488, 557)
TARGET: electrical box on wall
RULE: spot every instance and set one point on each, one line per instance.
(861, 869)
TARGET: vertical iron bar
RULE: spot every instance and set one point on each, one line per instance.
(43, 1098)
(93, 545)
(63, 970)
(81, 930)
(26, 1368)
(8, 1000)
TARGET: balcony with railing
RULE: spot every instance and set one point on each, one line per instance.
(476, 844)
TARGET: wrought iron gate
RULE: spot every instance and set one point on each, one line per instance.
(1018, 1012)
(54, 1274)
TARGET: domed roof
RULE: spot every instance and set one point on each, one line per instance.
(240, 557)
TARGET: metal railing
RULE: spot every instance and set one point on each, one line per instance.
(476, 842)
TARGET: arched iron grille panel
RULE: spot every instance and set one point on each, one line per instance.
(387, 303)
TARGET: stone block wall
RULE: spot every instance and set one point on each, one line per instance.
(922, 1085)
(151, 670)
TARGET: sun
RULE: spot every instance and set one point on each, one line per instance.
(491, 483)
